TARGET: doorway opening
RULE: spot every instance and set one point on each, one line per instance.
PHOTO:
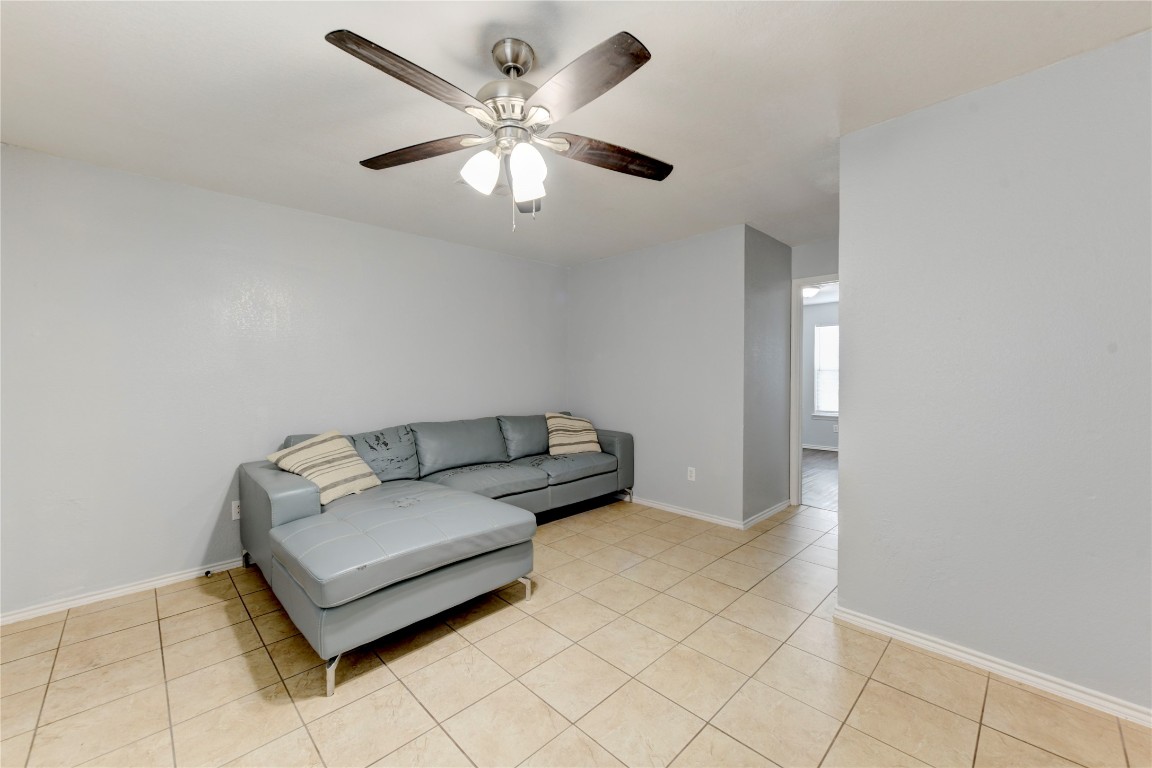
(816, 392)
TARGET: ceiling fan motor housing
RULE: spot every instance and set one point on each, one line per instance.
(506, 97)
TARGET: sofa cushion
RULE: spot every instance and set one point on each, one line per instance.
(492, 480)
(390, 452)
(391, 533)
(328, 461)
(447, 444)
(575, 466)
(570, 434)
(525, 435)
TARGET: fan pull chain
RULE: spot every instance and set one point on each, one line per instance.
(513, 201)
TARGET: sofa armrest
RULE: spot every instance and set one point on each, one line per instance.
(619, 444)
(269, 497)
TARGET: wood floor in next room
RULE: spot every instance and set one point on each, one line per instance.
(820, 479)
(653, 639)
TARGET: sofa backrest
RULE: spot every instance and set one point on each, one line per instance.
(524, 435)
(292, 440)
(390, 452)
(412, 451)
(444, 445)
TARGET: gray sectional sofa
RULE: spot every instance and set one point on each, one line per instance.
(451, 520)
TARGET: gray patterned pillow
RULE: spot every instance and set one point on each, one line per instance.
(391, 452)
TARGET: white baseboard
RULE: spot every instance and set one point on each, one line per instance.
(832, 448)
(687, 512)
(766, 513)
(1008, 669)
(745, 525)
(105, 594)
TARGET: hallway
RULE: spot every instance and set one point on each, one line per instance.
(820, 480)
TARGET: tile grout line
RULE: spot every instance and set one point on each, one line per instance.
(784, 693)
(283, 680)
(676, 643)
(105, 634)
(160, 649)
(1024, 740)
(707, 722)
(550, 741)
(1036, 746)
(164, 675)
(762, 665)
(927, 701)
(40, 709)
(848, 714)
(698, 731)
(439, 724)
(844, 724)
(47, 685)
(937, 657)
(1124, 743)
(119, 698)
(980, 722)
(810, 615)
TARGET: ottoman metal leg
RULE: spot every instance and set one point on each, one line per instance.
(330, 673)
(527, 582)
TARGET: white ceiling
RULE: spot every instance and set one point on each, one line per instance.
(746, 99)
(829, 292)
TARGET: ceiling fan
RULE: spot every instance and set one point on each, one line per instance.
(515, 114)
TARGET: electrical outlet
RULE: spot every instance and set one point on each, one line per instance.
(835, 427)
(692, 474)
(235, 510)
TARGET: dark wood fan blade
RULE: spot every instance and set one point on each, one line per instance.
(612, 157)
(591, 75)
(403, 70)
(418, 152)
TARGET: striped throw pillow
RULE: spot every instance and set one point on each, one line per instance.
(570, 434)
(329, 461)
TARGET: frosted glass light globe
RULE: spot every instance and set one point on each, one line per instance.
(527, 164)
(482, 171)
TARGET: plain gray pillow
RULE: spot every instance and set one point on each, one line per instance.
(525, 435)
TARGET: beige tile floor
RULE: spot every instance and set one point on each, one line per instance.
(653, 639)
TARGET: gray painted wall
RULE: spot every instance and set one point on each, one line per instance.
(656, 347)
(816, 259)
(767, 383)
(815, 432)
(156, 335)
(996, 460)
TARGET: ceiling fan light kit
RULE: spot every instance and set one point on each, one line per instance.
(515, 114)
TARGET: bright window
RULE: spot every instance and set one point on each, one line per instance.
(827, 359)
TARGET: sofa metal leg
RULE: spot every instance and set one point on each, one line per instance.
(527, 582)
(330, 673)
(629, 492)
